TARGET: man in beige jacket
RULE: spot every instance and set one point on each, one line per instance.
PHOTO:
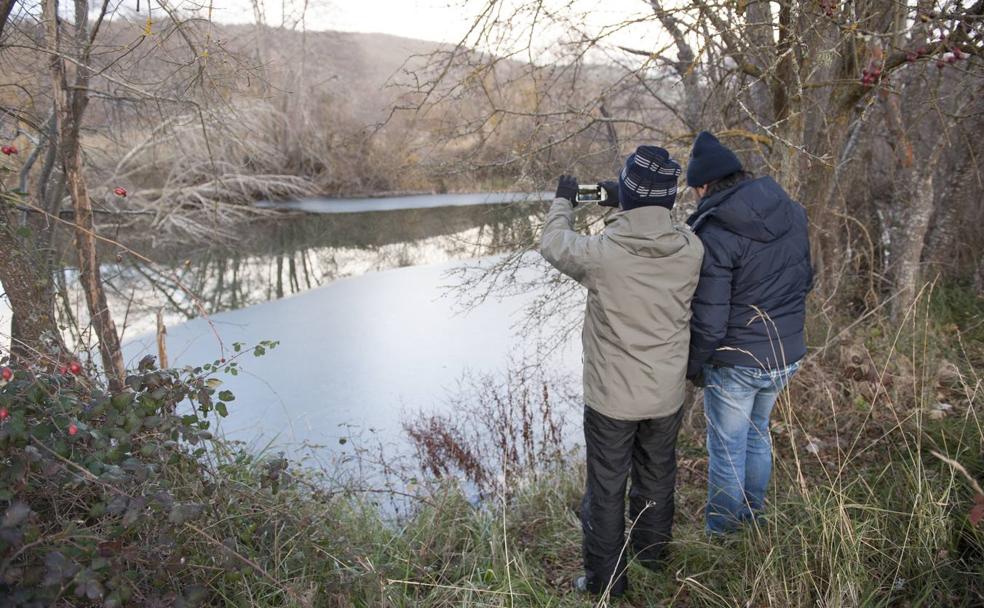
(641, 273)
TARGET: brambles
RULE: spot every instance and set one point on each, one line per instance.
(950, 58)
(95, 485)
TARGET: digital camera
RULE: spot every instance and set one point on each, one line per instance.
(592, 194)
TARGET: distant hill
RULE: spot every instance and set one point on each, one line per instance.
(349, 65)
(353, 67)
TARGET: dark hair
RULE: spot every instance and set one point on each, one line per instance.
(728, 181)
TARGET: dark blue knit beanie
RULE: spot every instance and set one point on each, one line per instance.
(648, 178)
(710, 160)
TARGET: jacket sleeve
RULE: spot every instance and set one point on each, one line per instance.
(565, 249)
(711, 305)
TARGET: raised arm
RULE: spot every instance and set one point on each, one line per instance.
(565, 249)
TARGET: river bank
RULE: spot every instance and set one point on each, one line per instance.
(879, 520)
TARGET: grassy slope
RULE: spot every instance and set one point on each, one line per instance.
(862, 511)
(869, 518)
(895, 538)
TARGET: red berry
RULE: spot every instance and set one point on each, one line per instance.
(75, 368)
(6, 374)
(62, 369)
(8, 150)
(120, 192)
(4, 413)
(72, 429)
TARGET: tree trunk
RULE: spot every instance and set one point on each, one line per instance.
(6, 7)
(910, 238)
(34, 333)
(693, 95)
(28, 265)
(69, 107)
(760, 32)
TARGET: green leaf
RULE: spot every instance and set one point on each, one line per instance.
(134, 511)
(184, 512)
(16, 514)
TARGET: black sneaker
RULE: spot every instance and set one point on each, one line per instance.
(581, 586)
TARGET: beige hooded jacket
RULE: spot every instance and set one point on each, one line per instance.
(641, 273)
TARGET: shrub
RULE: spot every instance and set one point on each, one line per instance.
(101, 490)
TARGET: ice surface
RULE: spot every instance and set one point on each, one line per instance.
(390, 203)
(359, 351)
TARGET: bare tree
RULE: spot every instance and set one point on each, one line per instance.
(51, 115)
(69, 107)
(795, 86)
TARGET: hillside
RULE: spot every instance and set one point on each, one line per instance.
(358, 68)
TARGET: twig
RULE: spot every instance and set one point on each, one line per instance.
(959, 467)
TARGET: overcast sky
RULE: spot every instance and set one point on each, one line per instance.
(437, 20)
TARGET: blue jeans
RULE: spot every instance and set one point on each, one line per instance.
(737, 404)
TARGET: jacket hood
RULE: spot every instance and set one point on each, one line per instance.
(758, 209)
(645, 231)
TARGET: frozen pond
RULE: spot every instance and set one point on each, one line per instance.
(355, 355)
(369, 330)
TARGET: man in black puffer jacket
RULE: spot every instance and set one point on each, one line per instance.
(746, 333)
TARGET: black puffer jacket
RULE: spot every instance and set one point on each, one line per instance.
(750, 303)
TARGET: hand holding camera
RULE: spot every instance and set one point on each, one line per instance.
(610, 198)
(567, 188)
(604, 193)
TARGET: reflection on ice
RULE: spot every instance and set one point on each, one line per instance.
(358, 351)
(285, 257)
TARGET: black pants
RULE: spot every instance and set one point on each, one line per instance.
(616, 448)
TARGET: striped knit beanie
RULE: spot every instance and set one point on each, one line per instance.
(649, 178)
